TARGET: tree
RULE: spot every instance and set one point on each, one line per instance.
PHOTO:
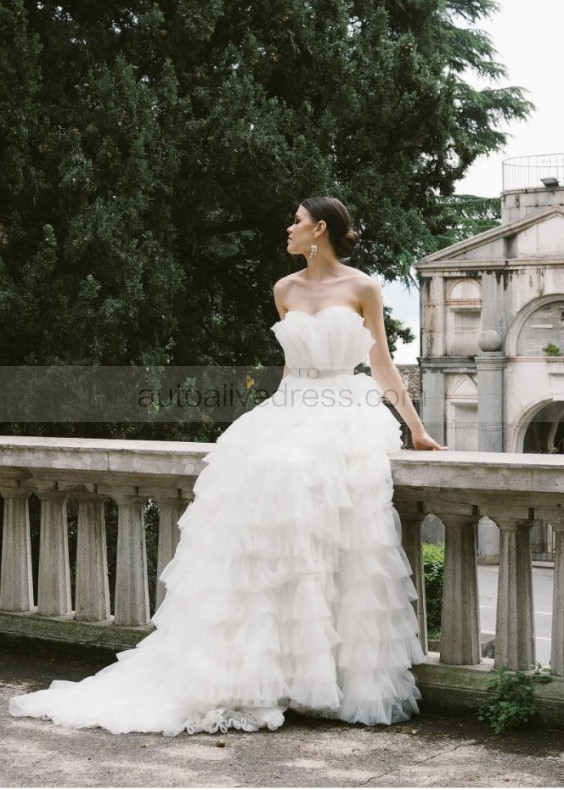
(460, 217)
(165, 145)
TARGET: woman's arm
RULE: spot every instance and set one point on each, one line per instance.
(385, 372)
(279, 292)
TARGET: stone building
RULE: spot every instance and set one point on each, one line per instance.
(492, 356)
(492, 308)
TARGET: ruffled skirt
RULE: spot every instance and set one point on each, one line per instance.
(289, 587)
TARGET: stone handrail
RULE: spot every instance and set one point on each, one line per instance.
(512, 489)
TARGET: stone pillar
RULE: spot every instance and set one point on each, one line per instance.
(411, 537)
(433, 350)
(132, 590)
(433, 399)
(557, 644)
(54, 587)
(490, 364)
(556, 519)
(515, 627)
(170, 510)
(16, 581)
(92, 598)
(433, 315)
(460, 621)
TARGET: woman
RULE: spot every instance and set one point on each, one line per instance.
(322, 232)
(289, 586)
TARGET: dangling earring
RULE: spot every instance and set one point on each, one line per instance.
(313, 251)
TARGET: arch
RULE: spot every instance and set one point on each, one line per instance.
(516, 439)
(522, 317)
(555, 430)
(464, 291)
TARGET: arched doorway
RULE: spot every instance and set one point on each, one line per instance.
(545, 434)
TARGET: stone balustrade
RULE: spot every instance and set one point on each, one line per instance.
(460, 488)
(513, 490)
(89, 471)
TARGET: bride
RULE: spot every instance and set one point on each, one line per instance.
(289, 587)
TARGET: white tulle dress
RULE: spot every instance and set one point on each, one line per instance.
(289, 587)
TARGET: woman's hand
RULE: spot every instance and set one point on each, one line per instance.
(422, 441)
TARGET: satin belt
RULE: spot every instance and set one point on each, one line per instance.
(320, 373)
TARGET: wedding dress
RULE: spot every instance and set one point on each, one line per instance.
(289, 587)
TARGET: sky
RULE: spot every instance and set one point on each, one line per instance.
(527, 35)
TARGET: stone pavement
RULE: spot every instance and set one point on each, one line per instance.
(433, 750)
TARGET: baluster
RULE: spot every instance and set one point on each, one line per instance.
(556, 518)
(132, 589)
(16, 581)
(557, 643)
(170, 510)
(515, 625)
(92, 600)
(411, 537)
(460, 620)
(54, 587)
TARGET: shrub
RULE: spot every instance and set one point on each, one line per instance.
(510, 701)
(552, 350)
(433, 566)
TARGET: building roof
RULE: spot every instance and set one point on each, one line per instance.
(512, 244)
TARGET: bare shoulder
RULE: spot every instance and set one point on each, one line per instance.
(282, 286)
(367, 289)
(285, 284)
(280, 291)
(356, 276)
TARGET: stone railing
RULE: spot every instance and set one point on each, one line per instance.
(459, 488)
(89, 471)
(513, 490)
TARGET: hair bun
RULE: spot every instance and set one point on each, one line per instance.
(347, 244)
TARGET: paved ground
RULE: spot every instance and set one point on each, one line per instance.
(542, 595)
(432, 750)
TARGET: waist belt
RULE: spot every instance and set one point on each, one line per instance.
(320, 373)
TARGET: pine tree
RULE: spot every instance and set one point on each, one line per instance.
(462, 216)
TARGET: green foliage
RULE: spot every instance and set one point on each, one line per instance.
(396, 331)
(460, 217)
(153, 153)
(433, 567)
(552, 350)
(510, 698)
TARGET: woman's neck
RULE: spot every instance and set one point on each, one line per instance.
(322, 266)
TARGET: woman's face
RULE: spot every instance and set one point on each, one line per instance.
(300, 234)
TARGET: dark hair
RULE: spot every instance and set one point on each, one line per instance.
(335, 215)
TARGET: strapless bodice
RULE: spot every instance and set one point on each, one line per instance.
(333, 338)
